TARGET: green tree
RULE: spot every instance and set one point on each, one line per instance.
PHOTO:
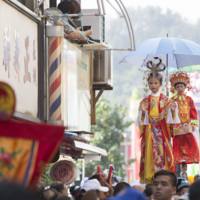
(111, 123)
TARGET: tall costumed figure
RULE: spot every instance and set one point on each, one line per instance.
(156, 150)
(183, 117)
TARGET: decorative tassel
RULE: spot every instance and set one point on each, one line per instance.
(169, 117)
(176, 117)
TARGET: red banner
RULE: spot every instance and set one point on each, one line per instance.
(25, 147)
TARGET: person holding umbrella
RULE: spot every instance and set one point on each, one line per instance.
(182, 115)
(156, 152)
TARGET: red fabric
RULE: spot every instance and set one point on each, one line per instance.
(193, 111)
(48, 136)
(185, 149)
(163, 134)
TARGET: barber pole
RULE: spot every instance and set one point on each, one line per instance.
(55, 34)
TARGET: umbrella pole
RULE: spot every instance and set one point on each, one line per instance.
(167, 72)
(167, 76)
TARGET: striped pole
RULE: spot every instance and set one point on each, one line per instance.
(55, 40)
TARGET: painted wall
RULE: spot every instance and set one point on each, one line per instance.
(19, 57)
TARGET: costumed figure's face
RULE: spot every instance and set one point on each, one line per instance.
(163, 188)
(154, 84)
(180, 88)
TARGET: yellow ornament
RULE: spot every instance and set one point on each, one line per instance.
(7, 101)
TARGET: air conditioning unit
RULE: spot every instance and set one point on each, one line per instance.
(90, 18)
(102, 69)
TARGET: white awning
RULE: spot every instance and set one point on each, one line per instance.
(90, 149)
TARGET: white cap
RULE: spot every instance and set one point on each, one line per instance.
(83, 181)
(94, 184)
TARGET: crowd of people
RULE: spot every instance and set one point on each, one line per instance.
(165, 186)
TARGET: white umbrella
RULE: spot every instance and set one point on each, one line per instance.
(174, 52)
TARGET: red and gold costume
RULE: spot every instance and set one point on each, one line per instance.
(183, 117)
(156, 152)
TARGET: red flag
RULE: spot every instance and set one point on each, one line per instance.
(25, 147)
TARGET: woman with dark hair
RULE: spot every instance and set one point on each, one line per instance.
(69, 6)
(119, 187)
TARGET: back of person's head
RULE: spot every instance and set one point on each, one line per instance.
(14, 191)
(196, 177)
(75, 191)
(167, 173)
(119, 187)
(181, 184)
(90, 195)
(59, 187)
(148, 191)
(54, 191)
(69, 6)
(95, 176)
(194, 191)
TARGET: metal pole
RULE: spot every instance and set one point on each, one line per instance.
(103, 7)
(128, 23)
(167, 72)
(83, 169)
(120, 14)
(99, 7)
(167, 76)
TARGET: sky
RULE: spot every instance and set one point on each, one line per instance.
(187, 9)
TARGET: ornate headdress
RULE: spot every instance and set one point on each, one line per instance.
(179, 77)
(156, 65)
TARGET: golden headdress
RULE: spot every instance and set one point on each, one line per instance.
(179, 77)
